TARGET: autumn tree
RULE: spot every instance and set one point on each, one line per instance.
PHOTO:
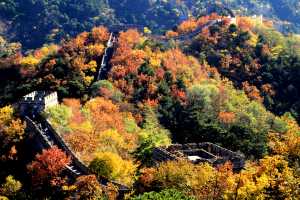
(130, 37)
(11, 187)
(127, 59)
(285, 140)
(252, 92)
(88, 187)
(100, 34)
(170, 34)
(113, 167)
(201, 181)
(245, 23)
(12, 132)
(47, 166)
(104, 114)
(187, 26)
(270, 178)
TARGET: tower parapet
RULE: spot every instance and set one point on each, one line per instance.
(37, 101)
(198, 153)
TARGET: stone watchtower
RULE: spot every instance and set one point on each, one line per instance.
(37, 101)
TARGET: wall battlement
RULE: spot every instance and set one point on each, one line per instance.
(37, 101)
(197, 153)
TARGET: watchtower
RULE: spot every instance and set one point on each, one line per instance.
(37, 101)
(198, 153)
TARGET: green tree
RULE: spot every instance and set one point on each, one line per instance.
(168, 194)
(100, 167)
(59, 116)
(152, 135)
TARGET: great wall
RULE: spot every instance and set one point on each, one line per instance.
(32, 105)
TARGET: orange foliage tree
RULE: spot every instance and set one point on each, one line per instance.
(126, 58)
(252, 92)
(187, 26)
(226, 117)
(100, 34)
(104, 115)
(88, 187)
(245, 23)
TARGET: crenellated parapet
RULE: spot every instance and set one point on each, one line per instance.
(37, 101)
(198, 153)
(50, 100)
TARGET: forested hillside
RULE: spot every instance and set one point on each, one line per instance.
(284, 12)
(235, 84)
(258, 59)
(34, 23)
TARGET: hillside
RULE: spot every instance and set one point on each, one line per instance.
(48, 21)
(51, 21)
(281, 10)
(234, 84)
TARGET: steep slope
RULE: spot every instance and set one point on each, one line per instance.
(48, 21)
(285, 12)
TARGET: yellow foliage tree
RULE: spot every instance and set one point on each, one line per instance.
(45, 51)
(11, 132)
(11, 187)
(95, 50)
(271, 178)
(288, 143)
(11, 128)
(112, 141)
(201, 181)
(120, 170)
(29, 63)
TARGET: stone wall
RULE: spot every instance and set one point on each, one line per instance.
(208, 152)
(59, 141)
(45, 143)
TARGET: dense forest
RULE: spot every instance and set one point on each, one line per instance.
(235, 84)
(34, 23)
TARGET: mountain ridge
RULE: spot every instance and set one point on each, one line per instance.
(50, 21)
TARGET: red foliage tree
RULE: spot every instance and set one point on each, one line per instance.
(48, 165)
